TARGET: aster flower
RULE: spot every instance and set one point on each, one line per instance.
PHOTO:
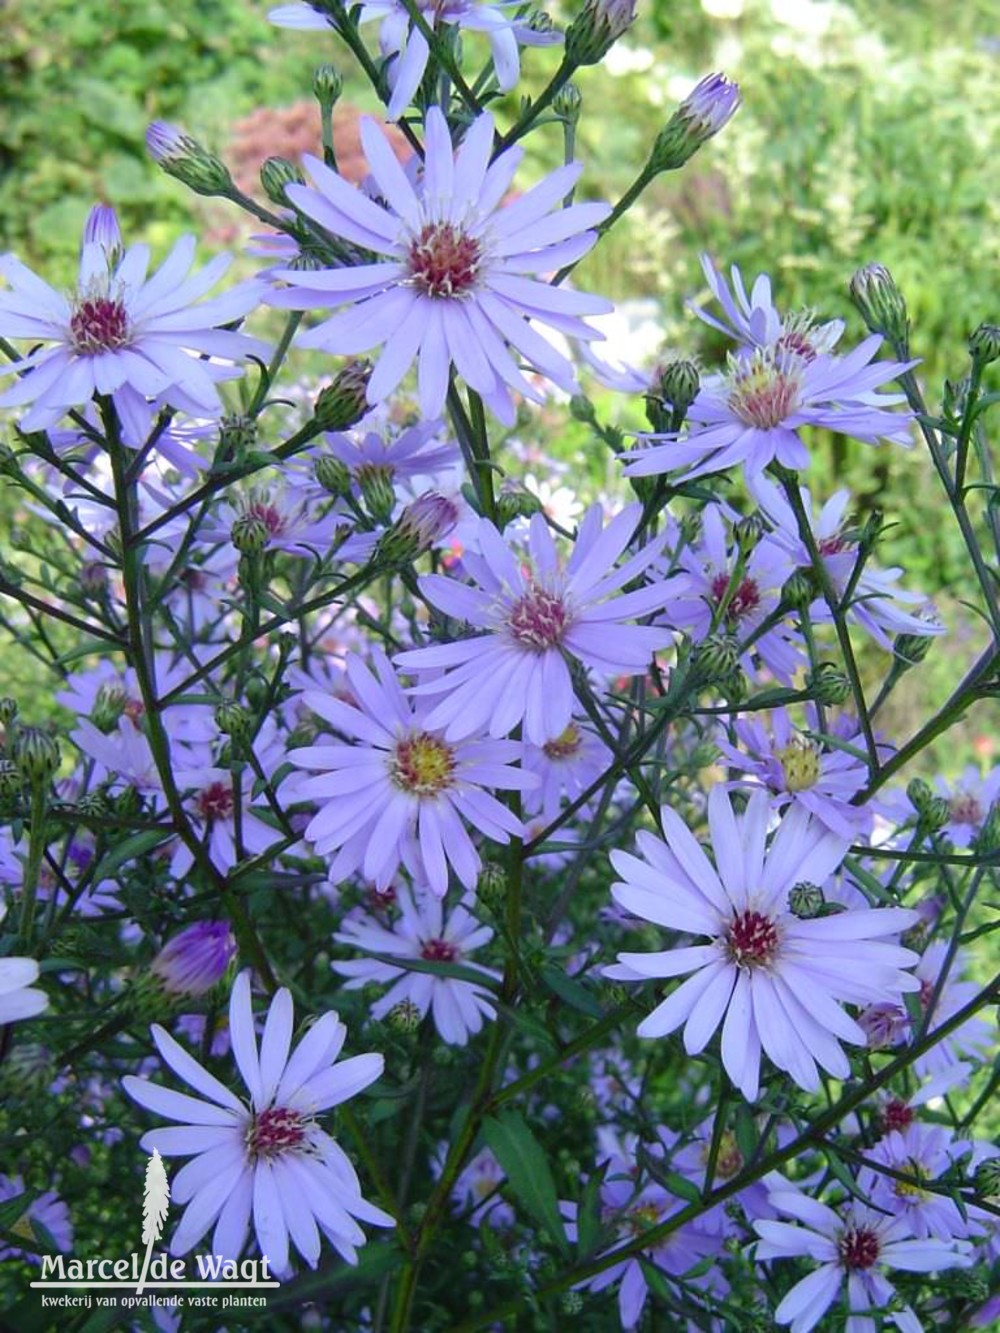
(122, 335)
(855, 1245)
(407, 49)
(565, 766)
(751, 320)
(451, 284)
(799, 769)
(47, 1209)
(751, 414)
(923, 1153)
(876, 604)
(476, 1192)
(536, 612)
(192, 961)
(18, 999)
(970, 798)
(418, 451)
(268, 1157)
(953, 1057)
(422, 931)
(403, 792)
(759, 959)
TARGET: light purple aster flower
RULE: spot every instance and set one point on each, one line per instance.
(268, 1158)
(422, 931)
(968, 1045)
(970, 797)
(402, 793)
(452, 284)
(855, 1245)
(122, 335)
(289, 512)
(877, 605)
(536, 612)
(192, 961)
(925, 1153)
(418, 451)
(797, 768)
(476, 1192)
(407, 48)
(48, 1210)
(751, 414)
(760, 961)
(566, 766)
(752, 320)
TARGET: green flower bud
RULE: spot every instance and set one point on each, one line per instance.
(828, 684)
(11, 782)
(806, 900)
(36, 754)
(328, 84)
(987, 1179)
(109, 706)
(911, 649)
(571, 1302)
(332, 475)
(344, 402)
(581, 408)
(568, 102)
(422, 523)
(275, 174)
(404, 1017)
(984, 344)
(971, 1284)
(920, 794)
(491, 890)
(377, 491)
(799, 590)
(237, 434)
(596, 28)
(183, 157)
(717, 657)
(94, 803)
(703, 113)
(677, 383)
(8, 711)
(128, 802)
(249, 534)
(233, 719)
(936, 814)
(516, 502)
(749, 529)
(874, 292)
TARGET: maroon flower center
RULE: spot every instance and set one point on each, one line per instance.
(539, 619)
(896, 1115)
(216, 801)
(925, 993)
(764, 390)
(444, 261)
(798, 342)
(834, 545)
(565, 744)
(752, 940)
(965, 809)
(422, 764)
(268, 515)
(439, 951)
(99, 324)
(859, 1247)
(745, 598)
(277, 1130)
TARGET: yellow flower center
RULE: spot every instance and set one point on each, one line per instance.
(422, 764)
(800, 762)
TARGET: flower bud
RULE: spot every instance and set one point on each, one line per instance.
(702, 114)
(874, 292)
(275, 174)
(911, 649)
(404, 1018)
(237, 434)
(249, 534)
(717, 657)
(920, 794)
(581, 408)
(102, 229)
(8, 710)
(36, 754)
(233, 719)
(516, 502)
(11, 782)
(344, 402)
(749, 529)
(183, 157)
(828, 684)
(935, 814)
(332, 475)
(491, 890)
(109, 705)
(328, 84)
(806, 900)
(377, 492)
(675, 387)
(568, 102)
(984, 344)
(92, 578)
(571, 1302)
(192, 962)
(596, 28)
(798, 590)
(421, 524)
(988, 1179)
(970, 1284)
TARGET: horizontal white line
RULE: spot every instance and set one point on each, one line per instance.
(222, 1286)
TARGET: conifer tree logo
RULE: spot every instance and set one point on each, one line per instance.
(155, 1202)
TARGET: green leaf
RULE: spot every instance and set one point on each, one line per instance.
(130, 850)
(527, 1169)
(573, 992)
(589, 1228)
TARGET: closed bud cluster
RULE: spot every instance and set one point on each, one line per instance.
(581, 408)
(8, 710)
(191, 963)
(567, 103)
(404, 1018)
(332, 475)
(422, 523)
(677, 383)
(275, 174)
(798, 590)
(874, 292)
(183, 157)
(233, 719)
(717, 657)
(984, 344)
(806, 900)
(378, 492)
(491, 890)
(237, 434)
(935, 814)
(702, 114)
(328, 84)
(920, 794)
(988, 1179)
(516, 502)
(344, 402)
(748, 530)
(109, 705)
(596, 28)
(249, 534)
(35, 753)
(828, 684)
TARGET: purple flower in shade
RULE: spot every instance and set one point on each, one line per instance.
(797, 768)
(268, 1158)
(751, 414)
(855, 1245)
(876, 604)
(192, 961)
(923, 1153)
(402, 793)
(422, 931)
(970, 798)
(631, 1203)
(536, 612)
(18, 998)
(760, 962)
(701, 587)
(48, 1210)
(122, 335)
(452, 283)
(476, 1192)
(752, 320)
(565, 767)
(407, 49)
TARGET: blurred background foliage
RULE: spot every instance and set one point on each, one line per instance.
(869, 132)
